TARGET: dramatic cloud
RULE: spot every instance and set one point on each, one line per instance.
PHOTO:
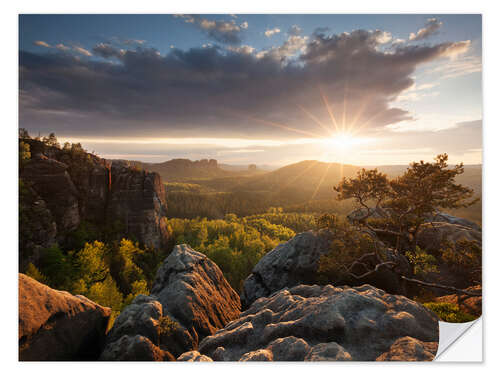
(221, 31)
(270, 32)
(431, 27)
(299, 89)
(41, 43)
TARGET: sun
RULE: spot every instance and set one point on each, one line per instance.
(343, 141)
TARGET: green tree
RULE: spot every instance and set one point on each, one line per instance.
(91, 262)
(410, 199)
(51, 140)
(34, 273)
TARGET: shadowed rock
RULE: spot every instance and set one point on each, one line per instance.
(56, 325)
(322, 323)
(296, 262)
(136, 333)
(134, 348)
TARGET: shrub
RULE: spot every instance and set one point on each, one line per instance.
(422, 262)
(167, 326)
(449, 312)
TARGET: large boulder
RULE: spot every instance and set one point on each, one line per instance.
(327, 323)
(55, 325)
(193, 292)
(296, 262)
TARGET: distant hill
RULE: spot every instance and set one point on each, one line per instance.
(178, 170)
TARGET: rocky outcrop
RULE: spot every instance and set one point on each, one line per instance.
(137, 199)
(190, 300)
(432, 235)
(68, 186)
(442, 217)
(55, 325)
(296, 262)
(327, 323)
(136, 334)
(194, 292)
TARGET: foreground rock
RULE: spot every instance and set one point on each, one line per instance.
(136, 333)
(410, 349)
(296, 262)
(55, 325)
(190, 300)
(194, 292)
(315, 323)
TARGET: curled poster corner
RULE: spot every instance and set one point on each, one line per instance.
(460, 342)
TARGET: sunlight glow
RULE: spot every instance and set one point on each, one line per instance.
(344, 141)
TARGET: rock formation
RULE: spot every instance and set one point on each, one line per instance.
(432, 235)
(55, 325)
(136, 334)
(193, 291)
(137, 199)
(296, 262)
(190, 300)
(61, 188)
(327, 323)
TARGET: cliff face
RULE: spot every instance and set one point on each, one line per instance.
(63, 187)
(137, 199)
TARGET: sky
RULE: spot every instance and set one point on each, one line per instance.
(265, 89)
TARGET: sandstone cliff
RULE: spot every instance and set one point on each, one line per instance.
(63, 187)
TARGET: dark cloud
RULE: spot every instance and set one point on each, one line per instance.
(431, 27)
(227, 32)
(219, 92)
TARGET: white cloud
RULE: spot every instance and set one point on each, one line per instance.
(244, 49)
(271, 32)
(431, 27)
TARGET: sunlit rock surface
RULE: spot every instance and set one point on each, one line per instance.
(56, 325)
(316, 323)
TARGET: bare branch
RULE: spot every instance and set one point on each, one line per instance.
(368, 273)
(440, 286)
